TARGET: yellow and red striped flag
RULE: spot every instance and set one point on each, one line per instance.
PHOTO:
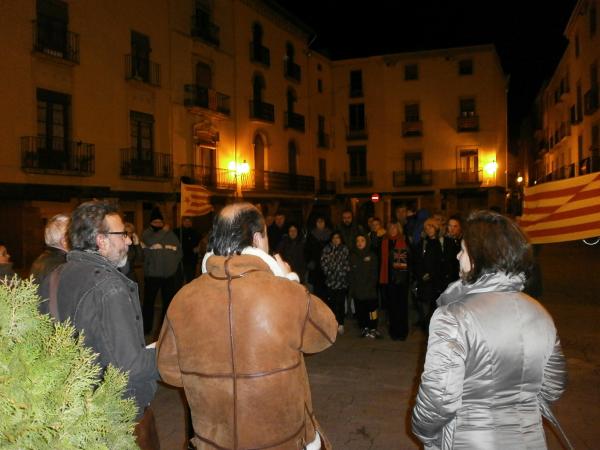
(195, 200)
(564, 210)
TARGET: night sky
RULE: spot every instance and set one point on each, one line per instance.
(528, 34)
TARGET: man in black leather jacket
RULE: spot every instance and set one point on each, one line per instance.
(101, 301)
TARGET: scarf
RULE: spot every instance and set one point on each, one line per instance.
(488, 282)
(385, 256)
(268, 259)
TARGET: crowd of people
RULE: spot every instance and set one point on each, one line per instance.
(362, 271)
(271, 291)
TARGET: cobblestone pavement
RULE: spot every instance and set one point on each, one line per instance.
(363, 389)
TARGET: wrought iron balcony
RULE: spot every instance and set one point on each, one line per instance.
(294, 121)
(326, 187)
(402, 178)
(354, 134)
(590, 101)
(142, 164)
(468, 177)
(203, 97)
(292, 70)
(363, 180)
(211, 177)
(467, 123)
(258, 180)
(260, 54)
(322, 139)
(205, 30)
(260, 110)
(412, 128)
(52, 38)
(58, 156)
(142, 69)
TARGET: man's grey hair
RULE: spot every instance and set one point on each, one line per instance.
(234, 228)
(56, 231)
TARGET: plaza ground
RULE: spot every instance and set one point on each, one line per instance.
(363, 389)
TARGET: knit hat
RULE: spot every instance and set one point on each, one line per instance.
(155, 214)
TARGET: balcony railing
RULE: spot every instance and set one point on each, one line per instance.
(326, 187)
(402, 178)
(412, 128)
(137, 163)
(258, 180)
(467, 123)
(294, 121)
(50, 155)
(364, 180)
(262, 111)
(203, 97)
(52, 38)
(591, 163)
(142, 69)
(292, 70)
(205, 30)
(590, 101)
(357, 133)
(468, 177)
(260, 54)
(210, 177)
(322, 139)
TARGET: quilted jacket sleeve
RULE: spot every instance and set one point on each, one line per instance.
(555, 375)
(167, 358)
(440, 392)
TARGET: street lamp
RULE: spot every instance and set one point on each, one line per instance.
(491, 168)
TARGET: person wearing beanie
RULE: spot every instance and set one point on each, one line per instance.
(162, 255)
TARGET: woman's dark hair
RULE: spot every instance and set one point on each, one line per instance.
(338, 234)
(233, 230)
(495, 244)
(87, 222)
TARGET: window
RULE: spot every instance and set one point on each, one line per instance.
(203, 75)
(576, 46)
(593, 19)
(257, 34)
(357, 157)
(320, 85)
(202, 26)
(579, 102)
(321, 124)
(140, 56)
(411, 112)
(413, 162)
(465, 67)
(594, 75)
(468, 166)
(467, 107)
(357, 117)
(258, 85)
(595, 137)
(292, 158)
(411, 72)
(52, 26)
(291, 100)
(142, 132)
(53, 120)
(356, 84)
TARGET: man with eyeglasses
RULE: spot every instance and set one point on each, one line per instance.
(103, 303)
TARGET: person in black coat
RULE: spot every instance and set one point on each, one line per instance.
(292, 249)
(429, 271)
(364, 275)
(452, 242)
(316, 241)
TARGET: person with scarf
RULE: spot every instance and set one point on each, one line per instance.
(335, 262)
(315, 243)
(494, 360)
(363, 286)
(393, 276)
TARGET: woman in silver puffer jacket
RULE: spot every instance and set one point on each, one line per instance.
(494, 360)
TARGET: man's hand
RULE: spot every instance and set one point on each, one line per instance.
(285, 267)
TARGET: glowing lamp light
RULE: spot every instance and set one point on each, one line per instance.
(491, 168)
(519, 179)
(240, 169)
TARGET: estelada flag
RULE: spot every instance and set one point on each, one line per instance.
(564, 210)
(195, 200)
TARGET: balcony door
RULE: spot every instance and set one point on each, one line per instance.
(142, 142)
(413, 165)
(259, 162)
(53, 119)
(140, 56)
(468, 165)
(52, 26)
(206, 161)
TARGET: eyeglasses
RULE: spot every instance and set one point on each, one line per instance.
(123, 234)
